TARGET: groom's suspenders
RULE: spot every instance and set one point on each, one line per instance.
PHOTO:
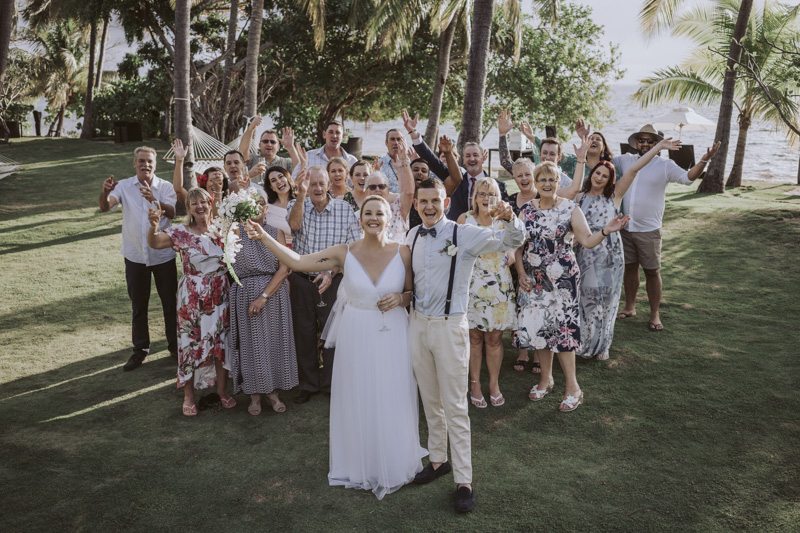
(449, 282)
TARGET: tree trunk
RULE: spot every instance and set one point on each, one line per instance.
(443, 69)
(61, 113)
(6, 25)
(735, 177)
(713, 182)
(798, 171)
(102, 55)
(167, 119)
(475, 88)
(37, 122)
(225, 95)
(251, 74)
(183, 115)
(87, 130)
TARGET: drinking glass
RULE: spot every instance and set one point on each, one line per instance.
(321, 301)
(492, 206)
(156, 206)
(383, 317)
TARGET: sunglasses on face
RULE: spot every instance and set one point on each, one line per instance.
(646, 140)
(380, 186)
(268, 141)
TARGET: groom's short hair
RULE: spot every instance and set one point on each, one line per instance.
(431, 183)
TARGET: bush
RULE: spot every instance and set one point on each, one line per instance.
(137, 100)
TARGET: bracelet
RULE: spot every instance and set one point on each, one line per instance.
(581, 162)
(603, 231)
(705, 162)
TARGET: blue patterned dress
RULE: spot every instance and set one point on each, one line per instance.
(549, 314)
(602, 269)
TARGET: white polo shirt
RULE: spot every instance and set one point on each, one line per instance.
(645, 198)
(135, 223)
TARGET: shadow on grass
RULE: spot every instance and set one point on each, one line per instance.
(37, 225)
(63, 240)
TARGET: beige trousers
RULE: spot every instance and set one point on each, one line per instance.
(440, 356)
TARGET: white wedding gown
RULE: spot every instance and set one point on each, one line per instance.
(374, 435)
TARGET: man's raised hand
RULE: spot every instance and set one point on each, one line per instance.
(288, 137)
(410, 125)
(445, 144)
(109, 184)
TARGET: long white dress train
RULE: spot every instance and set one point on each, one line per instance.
(374, 433)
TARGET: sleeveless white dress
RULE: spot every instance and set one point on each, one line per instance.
(374, 433)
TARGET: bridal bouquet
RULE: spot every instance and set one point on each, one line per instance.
(234, 208)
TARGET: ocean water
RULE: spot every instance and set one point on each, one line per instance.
(768, 157)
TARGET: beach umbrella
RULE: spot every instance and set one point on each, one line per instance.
(681, 118)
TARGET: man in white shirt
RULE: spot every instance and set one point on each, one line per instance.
(393, 147)
(443, 255)
(644, 202)
(333, 135)
(136, 196)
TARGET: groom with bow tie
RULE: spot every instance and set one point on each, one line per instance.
(443, 255)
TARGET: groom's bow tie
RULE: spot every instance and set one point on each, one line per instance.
(424, 231)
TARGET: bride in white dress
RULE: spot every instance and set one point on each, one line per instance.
(374, 431)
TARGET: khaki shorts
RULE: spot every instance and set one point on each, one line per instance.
(643, 247)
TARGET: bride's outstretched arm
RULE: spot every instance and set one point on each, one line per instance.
(327, 259)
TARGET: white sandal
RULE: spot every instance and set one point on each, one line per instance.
(536, 394)
(571, 402)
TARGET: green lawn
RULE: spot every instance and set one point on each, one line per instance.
(693, 429)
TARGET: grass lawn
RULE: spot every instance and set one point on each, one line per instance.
(692, 429)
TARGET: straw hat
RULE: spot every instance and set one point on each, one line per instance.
(647, 128)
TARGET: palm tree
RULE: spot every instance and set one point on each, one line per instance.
(59, 65)
(477, 68)
(700, 79)
(7, 16)
(251, 69)
(182, 88)
(657, 15)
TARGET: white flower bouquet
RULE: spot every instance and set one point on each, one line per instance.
(234, 208)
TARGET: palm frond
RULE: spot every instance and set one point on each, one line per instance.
(674, 84)
(315, 9)
(657, 16)
(548, 11)
(512, 13)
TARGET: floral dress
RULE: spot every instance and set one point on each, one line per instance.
(398, 226)
(602, 269)
(202, 306)
(491, 291)
(549, 314)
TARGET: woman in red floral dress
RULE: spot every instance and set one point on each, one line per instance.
(202, 301)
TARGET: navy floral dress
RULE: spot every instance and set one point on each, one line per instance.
(549, 314)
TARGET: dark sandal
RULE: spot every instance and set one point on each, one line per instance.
(520, 363)
(655, 328)
(536, 368)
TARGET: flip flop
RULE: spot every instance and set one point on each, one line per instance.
(520, 363)
(624, 314)
(480, 403)
(655, 328)
(229, 403)
(190, 410)
(497, 401)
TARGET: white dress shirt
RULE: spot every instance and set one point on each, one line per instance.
(319, 158)
(135, 223)
(645, 199)
(431, 263)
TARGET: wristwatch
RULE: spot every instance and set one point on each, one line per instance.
(265, 295)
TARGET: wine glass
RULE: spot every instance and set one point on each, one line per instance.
(383, 316)
(321, 301)
(492, 207)
(156, 206)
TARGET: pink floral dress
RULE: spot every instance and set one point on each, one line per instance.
(398, 225)
(549, 314)
(202, 306)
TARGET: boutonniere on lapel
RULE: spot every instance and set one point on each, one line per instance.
(449, 248)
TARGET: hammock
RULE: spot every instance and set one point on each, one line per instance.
(234, 144)
(208, 151)
(8, 165)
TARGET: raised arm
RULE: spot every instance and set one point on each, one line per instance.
(585, 236)
(177, 174)
(106, 200)
(436, 166)
(327, 259)
(505, 125)
(697, 170)
(247, 136)
(577, 178)
(296, 214)
(287, 140)
(454, 176)
(160, 241)
(405, 179)
(624, 183)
